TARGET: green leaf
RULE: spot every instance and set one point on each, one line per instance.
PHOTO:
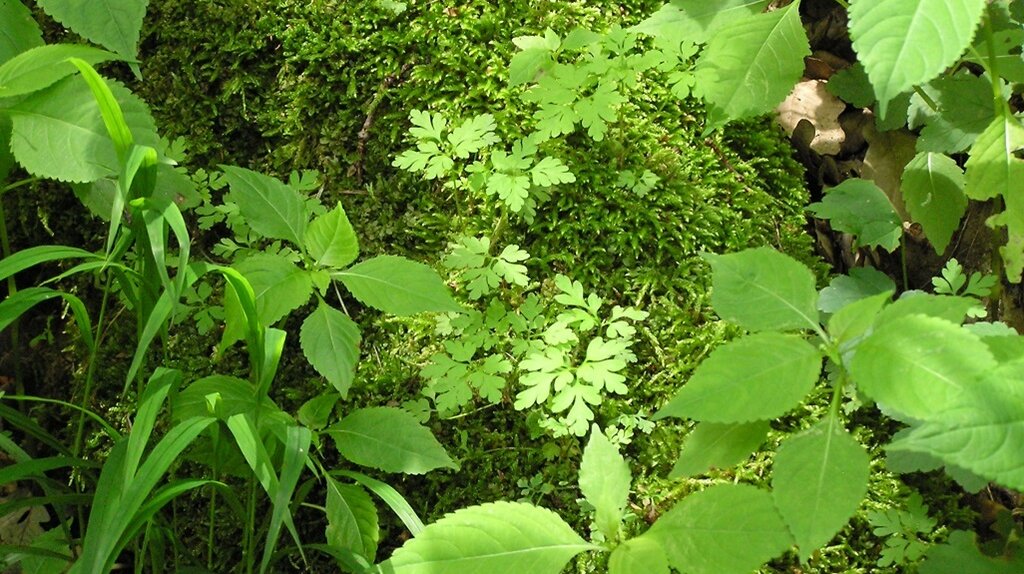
(860, 283)
(640, 554)
(512, 189)
(331, 241)
(852, 86)
(964, 111)
(490, 538)
(316, 412)
(44, 66)
(395, 501)
(960, 554)
(992, 168)
(114, 24)
(604, 482)
(59, 132)
(820, 477)
(473, 135)
(696, 20)
(398, 286)
(761, 289)
(752, 64)
(27, 258)
(771, 371)
(984, 430)
(716, 445)
(280, 287)
(952, 309)
(13, 306)
(389, 439)
(330, 341)
(551, 171)
(933, 190)
(270, 207)
(903, 43)
(855, 319)
(351, 519)
(525, 65)
(20, 33)
(725, 529)
(859, 207)
(919, 366)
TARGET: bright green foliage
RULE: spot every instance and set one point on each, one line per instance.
(20, 31)
(697, 21)
(965, 110)
(761, 289)
(41, 67)
(638, 555)
(272, 208)
(981, 432)
(933, 190)
(604, 482)
(819, 478)
(993, 169)
(919, 367)
(961, 554)
(330, 341)
(397, 285)
(860, 283)
(483, 273)
(351, 519)
(751, 64)
(114, 24)
(903, 43)
(859, 207)
(331, 241)
(902, 530)
(772, 373)
(954, 282)
(488, 539)
(58, 133)
(725, 529)
(280, 286)
(388, 439)
(718, 445)
(852, 86)
(437, 148)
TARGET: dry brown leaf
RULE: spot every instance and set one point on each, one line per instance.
(810, 101)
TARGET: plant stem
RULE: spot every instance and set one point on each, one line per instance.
(903, 261)
(12, 288)
(926, 98)
(91, 370)
(499, 230)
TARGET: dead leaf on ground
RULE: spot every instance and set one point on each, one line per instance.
(810, 101)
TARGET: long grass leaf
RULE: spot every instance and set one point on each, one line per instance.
(296, 453)
(41, 254)
(160, 384)
(398, 504)
(37, 467)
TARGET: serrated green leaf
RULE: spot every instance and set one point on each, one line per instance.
(859, 207)
(551, 171)
(725, 529)
(982, 432)
(270, 207)
(902, 43)
(280, 287)
(952, 309)
(473, 135)
(992, 168)
(771, 371)
(330, 239)
(919, 366)
(964, 111)
(398, 286)
(820, 477)
(351, 519)
(330, 341)
(41, 67)
(761, 289)
(604, 482)
(490, 538)
(860, 283)
(389, 439)
(696, 20)
(59, 133)
(523, 67)
(960, 554)
(933, 190)
(316, 412)
(640, 554)
(716, 445)
(114, 24)
(855, 319)
(751, 64)
(21, 32)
